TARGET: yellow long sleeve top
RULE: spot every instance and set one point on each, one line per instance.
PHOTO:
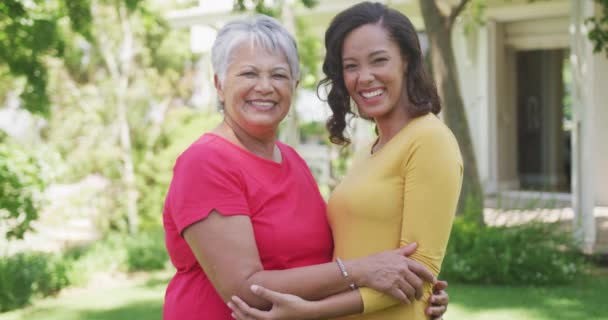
(405, 192)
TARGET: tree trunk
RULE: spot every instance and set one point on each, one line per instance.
(120, 71)
(291, 132)
(126, 60)
(439, 30)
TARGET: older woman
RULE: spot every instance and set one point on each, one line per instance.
(404, 187)
(243, 208)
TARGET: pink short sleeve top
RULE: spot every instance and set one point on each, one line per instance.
(281, 199)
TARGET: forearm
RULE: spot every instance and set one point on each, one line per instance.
(311, 282)
(342, 304)
(236, 266)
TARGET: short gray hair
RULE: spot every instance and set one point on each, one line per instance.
(263, 31)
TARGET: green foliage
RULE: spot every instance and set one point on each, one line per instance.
(16, 285)
(155, 170)
(531, 254)
(598, 32)
(26, 275)
(262, 6)
(147, 251)
(259, 6)
(33, 31)
(106, 255)
(313, 132)
(83, 126)
(117, 252)
(30, 32)
(79, 13)
(51, 271)
(133, 5)
(310, 49)
(21, 184)
(165, 55)
(473, 16)
(310, 3)
(340, 164)
(472, 210)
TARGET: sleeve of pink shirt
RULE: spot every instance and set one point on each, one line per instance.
(203, 182)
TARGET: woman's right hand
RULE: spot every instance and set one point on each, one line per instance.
(284, 306)
(393, 273)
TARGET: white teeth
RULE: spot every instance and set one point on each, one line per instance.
(262, 104)
(372, 94)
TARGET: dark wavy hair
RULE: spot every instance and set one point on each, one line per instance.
(420, 86)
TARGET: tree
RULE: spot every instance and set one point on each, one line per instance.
(31, 31)
(136, 81)
(106, 50)
(439, 25)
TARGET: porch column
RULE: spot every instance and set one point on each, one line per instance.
(502, 113)
(584, 64)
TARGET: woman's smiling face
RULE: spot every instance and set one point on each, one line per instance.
(374, 71)
(257, 89)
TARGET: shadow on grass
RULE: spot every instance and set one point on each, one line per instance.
(141, 310)
(582, 300)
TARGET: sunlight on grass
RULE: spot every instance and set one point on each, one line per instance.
(583, 300)
(141, 297)
(133, 300)
(459, 313)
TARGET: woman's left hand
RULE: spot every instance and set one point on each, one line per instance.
(284, 306)
(438, 301)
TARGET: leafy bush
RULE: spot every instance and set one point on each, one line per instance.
(107, 255)
(118, 252)
(26, 275)
(21, 185)
(530, 254)
(53, 276)
(146, 252)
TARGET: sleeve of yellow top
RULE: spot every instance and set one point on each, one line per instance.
(433, 177)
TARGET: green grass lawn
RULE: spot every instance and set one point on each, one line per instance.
(133, 299)
(141, 299)
(585, 300)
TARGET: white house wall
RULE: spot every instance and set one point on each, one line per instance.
(486, 71)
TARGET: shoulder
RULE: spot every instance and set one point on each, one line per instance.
(208, 151)
(429, 128)
(432, 134)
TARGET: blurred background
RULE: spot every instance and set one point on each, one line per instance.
(99, 97)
